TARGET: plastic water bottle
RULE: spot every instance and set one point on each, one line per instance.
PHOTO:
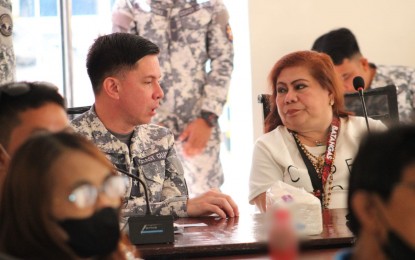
(282, 237)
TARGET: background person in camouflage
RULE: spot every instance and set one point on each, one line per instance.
(125, 73)
(341, 45)
(190, 34)
(7, 59)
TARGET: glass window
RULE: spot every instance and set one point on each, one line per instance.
(27, 8)
(48, 8)
(84, 7)
(37, 41)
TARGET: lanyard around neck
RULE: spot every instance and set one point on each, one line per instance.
(318, 185)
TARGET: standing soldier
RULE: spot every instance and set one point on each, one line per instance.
(197, 61)
(7, 61)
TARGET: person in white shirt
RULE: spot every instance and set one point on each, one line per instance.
(310, 140)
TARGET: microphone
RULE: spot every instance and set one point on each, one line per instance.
(149, 229)
(148, 209)
(359, 85)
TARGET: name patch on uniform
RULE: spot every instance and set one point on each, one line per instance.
(160, 12)
(151, 158)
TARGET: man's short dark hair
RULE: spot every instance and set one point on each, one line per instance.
(338, 44)
(379, 165)
(35, 95)
(112, 53)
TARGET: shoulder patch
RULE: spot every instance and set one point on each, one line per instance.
(6, 25)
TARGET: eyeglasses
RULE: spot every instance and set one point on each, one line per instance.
(20, 88)
(86, 195)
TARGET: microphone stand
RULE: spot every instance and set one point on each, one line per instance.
(148, 209)
(360, 90)
(149, 229)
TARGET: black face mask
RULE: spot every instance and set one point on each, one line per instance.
(97, 235)
(397, 248)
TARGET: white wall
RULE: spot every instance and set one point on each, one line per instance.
(384, 29)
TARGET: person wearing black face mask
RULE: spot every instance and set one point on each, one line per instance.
(86, 235)
(61, 200)
(381, 195)
(395, 246)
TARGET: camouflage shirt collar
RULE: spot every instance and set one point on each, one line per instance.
(103, 139)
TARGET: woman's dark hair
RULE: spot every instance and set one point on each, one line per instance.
(27, 229)
(321, 69)
(379, 165)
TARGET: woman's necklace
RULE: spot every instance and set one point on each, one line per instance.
(316, 142)
(325, 166)
(316, 161)
(318, 164)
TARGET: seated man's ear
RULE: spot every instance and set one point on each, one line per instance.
(111, 87)
(364, 63)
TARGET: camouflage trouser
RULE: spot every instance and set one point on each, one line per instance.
(203, 171)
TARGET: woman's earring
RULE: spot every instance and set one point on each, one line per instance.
(331, 102)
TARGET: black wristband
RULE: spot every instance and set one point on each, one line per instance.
(210, 118)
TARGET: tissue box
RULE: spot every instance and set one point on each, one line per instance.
(305, 207)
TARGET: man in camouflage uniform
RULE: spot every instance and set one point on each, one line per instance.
(124, 72)
(341, 45)
(189, 33)
(7, 59)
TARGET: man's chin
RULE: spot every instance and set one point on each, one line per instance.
(145, 122)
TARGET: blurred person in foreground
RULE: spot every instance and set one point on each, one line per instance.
(310, 140)
(381, 195)
(61, 200)
(124, 71)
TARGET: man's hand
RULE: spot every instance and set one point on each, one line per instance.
(195, 137)
(210, 202)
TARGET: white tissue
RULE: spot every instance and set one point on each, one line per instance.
(305, 207)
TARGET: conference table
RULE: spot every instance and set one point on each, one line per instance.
(244, 237)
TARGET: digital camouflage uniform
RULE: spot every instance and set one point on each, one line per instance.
(7, 59)
(189, 33)
(404, 80)
(151, 157)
